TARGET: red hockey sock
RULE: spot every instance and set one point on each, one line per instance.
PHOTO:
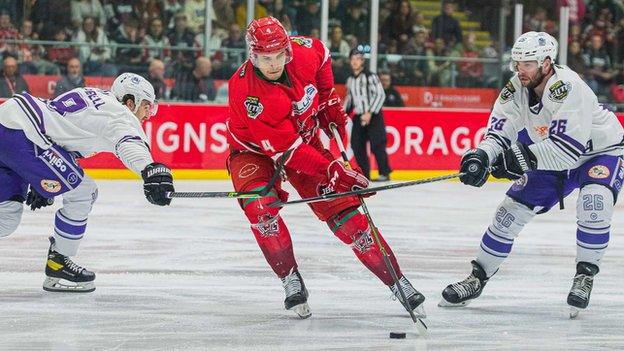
(271, 234)
(352, 228)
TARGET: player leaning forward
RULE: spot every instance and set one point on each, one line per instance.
(568, 141)
(278, 98)
(39, 142)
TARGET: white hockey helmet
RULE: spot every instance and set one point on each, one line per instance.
(533, 46)
(137, 87)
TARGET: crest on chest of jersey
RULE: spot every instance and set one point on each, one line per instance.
(253, 106)
(559, 91)
(507, 93)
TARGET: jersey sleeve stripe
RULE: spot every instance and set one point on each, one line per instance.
(564, 145)
(569, 141)
(32, 118)
(499, 139)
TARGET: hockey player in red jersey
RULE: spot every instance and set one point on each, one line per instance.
(278, 100)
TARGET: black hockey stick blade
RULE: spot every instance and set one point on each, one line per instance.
(365, 191)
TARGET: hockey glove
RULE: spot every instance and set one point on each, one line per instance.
(36, 200)
(157, 182)
(514, 162)
(474, 164)
(340, 179)
(331, 111)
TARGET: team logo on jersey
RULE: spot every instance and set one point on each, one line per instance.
(362, 241)
(307, 42)
(267, 225)
(559, 91)
(507, 93)
(51, 186)
(253, 106)
(599, 172)
(301, 106)
(248, 170)
(542, 131)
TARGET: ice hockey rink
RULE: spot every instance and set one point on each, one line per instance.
(190, 277)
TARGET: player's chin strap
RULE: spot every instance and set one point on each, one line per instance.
(235, 194)
(374, 231)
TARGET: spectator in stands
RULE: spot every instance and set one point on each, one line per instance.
(10, 7)
(72, 80)
(577, 10)
(11, 81)
(128, 59)
(603, 27)
(576, 34)
(117, 13)
(241, 13)
(62, 51)
(83, 8)
(278, 10)
(416, 71)
(337, 44)
(539, 22)
(145, 11)
(617, 89)
(224, 15)
(393, 97)
(26, 51)
(337, 13)
(197, 85)
(357, 22)
(181, 36)
(614, 7)
(234, 41)
(470, 72)
(170, 9)
(446, 27)
(8, 32)
(598, 63)
(308, 18)
(575, 58)
(439, 67)
(156, 37)
(156, 76)
(195, 11)
(47, 14)
(95, 58)
(401, 25)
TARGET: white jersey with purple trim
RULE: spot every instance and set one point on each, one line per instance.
(83, 120)
(567, 125)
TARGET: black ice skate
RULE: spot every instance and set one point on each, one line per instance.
(462, 293)
(414, 298)
(578, 298)
(63, 275)
(296, 295)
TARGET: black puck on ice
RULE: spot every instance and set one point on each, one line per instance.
(397, 335)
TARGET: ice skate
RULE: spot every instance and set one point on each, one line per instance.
(462, 293)
(578, 298)
(414, 298)
(296, 295)
(63, 275)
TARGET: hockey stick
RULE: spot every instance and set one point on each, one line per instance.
(233, 194)
(365, 191)
(422, 327)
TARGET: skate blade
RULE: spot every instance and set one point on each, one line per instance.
(444, 303)
(419, 312)
(62, 285)
(302, 310)
(574, 312)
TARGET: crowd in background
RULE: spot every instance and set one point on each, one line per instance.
(414, 51)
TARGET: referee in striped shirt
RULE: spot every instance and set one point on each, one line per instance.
(365, 97)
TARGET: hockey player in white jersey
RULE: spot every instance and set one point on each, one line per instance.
(39, 143)
(547, 132)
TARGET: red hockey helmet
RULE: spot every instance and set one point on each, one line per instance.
(267, 35)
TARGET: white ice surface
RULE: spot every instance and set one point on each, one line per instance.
(190, 277)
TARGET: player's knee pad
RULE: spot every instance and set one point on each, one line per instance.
(352, 228)
(263, 218)
(10, 216)
(511, 216)
(77, 203)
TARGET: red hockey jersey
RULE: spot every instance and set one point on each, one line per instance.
(271, 118)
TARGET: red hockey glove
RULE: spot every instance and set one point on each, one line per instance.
(341, 179)
(331, 111)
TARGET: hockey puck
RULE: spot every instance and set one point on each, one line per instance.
(394, 335)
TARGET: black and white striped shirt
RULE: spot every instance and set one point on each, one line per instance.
(364, 93)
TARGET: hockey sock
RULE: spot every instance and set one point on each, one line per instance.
(352, 228)
(271, 234)
(594, 211)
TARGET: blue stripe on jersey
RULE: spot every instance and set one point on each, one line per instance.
(30, 114)
(569, 141)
